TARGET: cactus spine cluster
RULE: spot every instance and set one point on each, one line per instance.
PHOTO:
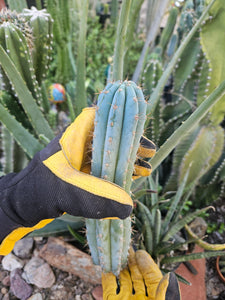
(119, 124)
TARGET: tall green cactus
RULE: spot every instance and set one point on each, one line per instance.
(41, 24)
(119, 124)
(207, 140)
(16, 44)
(213, 47)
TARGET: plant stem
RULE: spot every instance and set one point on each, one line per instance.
(194, 119)
(114, 11)
(150, 38)
(165, 76)
(81, 99)
(119, 49)
(38, 4)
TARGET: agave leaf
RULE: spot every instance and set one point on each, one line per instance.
(192, 256)
(27, 141)
(175, 246)
(174, 203)
(202, 243)
(32, 110)
(57, 227)
(181, 223)
(144, 210)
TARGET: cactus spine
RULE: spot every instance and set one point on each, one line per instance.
(119, 123)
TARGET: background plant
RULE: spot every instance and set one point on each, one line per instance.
(176, 68)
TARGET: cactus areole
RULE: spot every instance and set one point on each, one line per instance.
(119, 124)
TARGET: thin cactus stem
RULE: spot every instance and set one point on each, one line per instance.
(162, 82)
(119, 50)
(38, 4)
(150, 38)
(81, 100)
(197, 115)
(114, 11)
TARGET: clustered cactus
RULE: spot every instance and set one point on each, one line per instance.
(193, 79)
(119, 124)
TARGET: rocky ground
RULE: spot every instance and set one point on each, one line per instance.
(25, 275)
(214, 286)
(30, 273)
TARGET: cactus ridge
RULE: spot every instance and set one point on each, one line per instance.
(210, 35)
(15, 44)
(151, 76)
(207, 139)
(119, 123)
(41, 24)
(169, 28)
(7, 149)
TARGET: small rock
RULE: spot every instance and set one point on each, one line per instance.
(199, 226)
(18, 286)
(86, 297)
(4, 291)
(6, 297)
(97, 292)
(3, 274)
(6, 281)
(23, 248)
(39, 273)
(37, 296)
(11, 262)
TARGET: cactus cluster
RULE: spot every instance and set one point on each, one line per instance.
(193, 79)
(119, 124)
(21, 35)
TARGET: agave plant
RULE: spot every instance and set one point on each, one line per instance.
(161, 221)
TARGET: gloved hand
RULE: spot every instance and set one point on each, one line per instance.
(55, 182)
(143, 280)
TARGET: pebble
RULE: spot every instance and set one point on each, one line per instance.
(6, 297)
(97, 292)
(23, 248)
(4, 290)
(86, 297)
(18, 286)
(11, 262)
(37, 296)
(199, 226)
(3, 274)
(39, 273)
(6, 280)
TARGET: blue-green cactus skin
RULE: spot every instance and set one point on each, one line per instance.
(119, 124)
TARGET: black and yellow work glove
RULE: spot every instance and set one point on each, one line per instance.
(142, 280)
(57, 181)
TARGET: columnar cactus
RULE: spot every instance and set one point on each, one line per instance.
(207, 140)
(119, 124)
(15, 44)
(41, 24)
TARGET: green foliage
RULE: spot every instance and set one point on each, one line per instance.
(99, 46)
(183, 67)
(161, 223)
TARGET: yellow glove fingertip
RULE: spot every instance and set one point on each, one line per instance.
(147, 148)
(80, 130)
(168, 288)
